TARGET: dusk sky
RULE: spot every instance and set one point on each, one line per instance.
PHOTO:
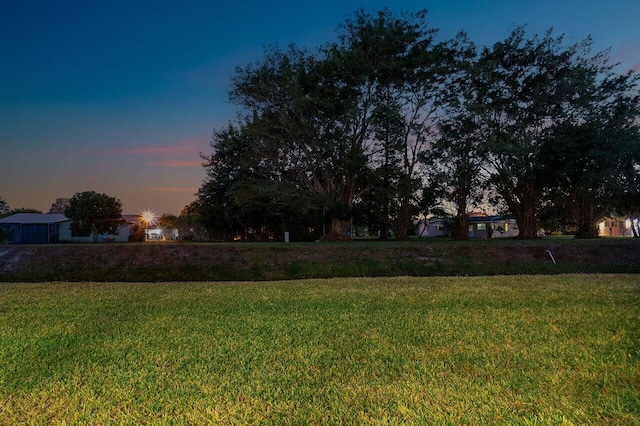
(121, 97)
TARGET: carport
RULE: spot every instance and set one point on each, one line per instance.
(32, 228)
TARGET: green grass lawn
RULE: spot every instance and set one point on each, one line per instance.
(475, 350)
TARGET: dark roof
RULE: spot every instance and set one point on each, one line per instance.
(34, 218)
(26, 218)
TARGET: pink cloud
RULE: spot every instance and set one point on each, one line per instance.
(625, 55)
(187, 146)
(179, 149)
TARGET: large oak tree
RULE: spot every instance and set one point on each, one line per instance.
(92, 213)
(524, 88)
(385, 113)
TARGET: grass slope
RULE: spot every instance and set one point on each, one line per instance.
(159, 261)
(471, 350)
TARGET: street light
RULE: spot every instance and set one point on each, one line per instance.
(148, 218)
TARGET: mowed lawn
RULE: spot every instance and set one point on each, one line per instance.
(457, 350)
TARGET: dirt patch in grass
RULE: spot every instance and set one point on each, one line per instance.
(170, 261)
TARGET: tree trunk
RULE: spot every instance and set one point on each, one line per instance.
(587, 231)
(527, 222)
(403, 222)
(384, 229)
(339, 228)
(384, 220)
(525, 212)
(586, 215)
(586, 221)
(341, 213)
(460, 228)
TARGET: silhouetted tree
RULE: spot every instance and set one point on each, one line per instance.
(453, 161)
(385, 112)
(301, 148)
(192, 223)
(228, 200)
(525, 88)
(24, 210)
(92, 214)
(402, 77)
(59, 206)
(592, 157)
(318, 122)
(4, 208)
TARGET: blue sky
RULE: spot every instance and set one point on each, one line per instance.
(121, 97)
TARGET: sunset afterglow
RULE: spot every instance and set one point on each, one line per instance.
(115, 99)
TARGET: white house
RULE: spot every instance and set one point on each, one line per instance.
(37, 228)
(122, 235)
(479, 227)
(616, 227)
(434, 227)
(492, 227)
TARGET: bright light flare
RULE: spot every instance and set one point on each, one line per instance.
(148, 217)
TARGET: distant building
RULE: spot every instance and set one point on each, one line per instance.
(615, 227)
(492, 227)
(479, 227)
(434, 227)
(47, 228)
(32, 228)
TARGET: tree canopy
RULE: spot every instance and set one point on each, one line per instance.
(59, 206)
(92, 213)
(365, 127)
(4, 208)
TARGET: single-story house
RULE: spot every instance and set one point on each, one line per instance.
(492, 227)
(434, 227)
(46, 228)
(479, 227)
(32, 228)
(616, 227)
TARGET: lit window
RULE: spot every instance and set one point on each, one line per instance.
(506, 227)
(482, 226)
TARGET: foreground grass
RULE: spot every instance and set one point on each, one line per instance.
(517, 350)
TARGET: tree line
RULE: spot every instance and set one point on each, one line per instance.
(388, 123)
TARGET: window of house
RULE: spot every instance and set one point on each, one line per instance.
(482, 227)
(506, 227)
